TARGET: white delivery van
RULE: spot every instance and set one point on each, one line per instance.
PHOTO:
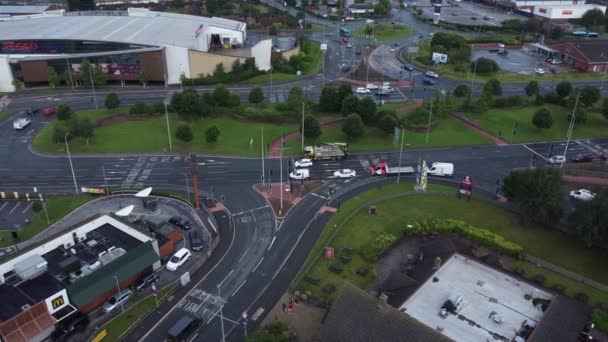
(300, 174)
(441, 169)
(21, 123)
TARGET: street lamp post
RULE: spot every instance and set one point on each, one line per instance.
(122, 306)
(302, 125)
(67, 148)
(281, 173)
(263, 171)
(168, 128)
(570, 128)
(69, 70)
(221, 313)
(93, 87)
(428, 126)
(401, 153)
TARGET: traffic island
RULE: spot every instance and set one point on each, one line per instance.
(292, 194)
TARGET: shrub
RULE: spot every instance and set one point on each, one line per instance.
(353, 127)
(507, 102)
(212, 134)
(256, 95)
(581, 116)
(542, 118)
(112, 101)
(312, 128)
(139, 108)
(581, 297)
(64, 112)
(184, 133)
(553, 97)
(600, 318)
(462, 90)
(387, 122)
(36, 207)
(484, 66)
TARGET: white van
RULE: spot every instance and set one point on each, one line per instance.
(441, 169)
(300, 174)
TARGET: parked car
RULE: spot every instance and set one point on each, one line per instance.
(196, 241)
(603, 156)
(369, 21)
(372, 86)
(349, 45)
(408, 67)
(431, 74)
(583, 158)
(539, 71)
(473, 18)
(49, 111)
(358, 52)
(117, 300)
(345, 173)
(582, 195)
(179, 258)
(485, 17)
(145, 281)
(306, 162)
(392, 49)
(556, 61)
(180, 222)
(362, 91)
(556, 160)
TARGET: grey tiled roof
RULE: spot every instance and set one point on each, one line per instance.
(563, 321)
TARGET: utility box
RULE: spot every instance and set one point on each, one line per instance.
(31, 267)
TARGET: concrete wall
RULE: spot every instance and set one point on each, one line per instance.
(286, 55)
(262, 52)
(177, 62)
(202, 63)
(6, 76)
(566, 12)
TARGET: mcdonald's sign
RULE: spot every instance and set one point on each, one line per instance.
(57, 301)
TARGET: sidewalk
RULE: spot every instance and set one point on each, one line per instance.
(275, 146)
(473, 126)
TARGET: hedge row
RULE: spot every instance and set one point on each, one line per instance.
(459, 227)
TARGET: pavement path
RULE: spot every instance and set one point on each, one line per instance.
(473, 126)
(275, 146)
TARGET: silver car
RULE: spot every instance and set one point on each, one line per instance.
(117, 300)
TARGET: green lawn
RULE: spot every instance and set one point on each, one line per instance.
(449, 132)
(503, 119)
(57, 208)
(384, 32)
(317, 28)
(4, 115)
(395, 213)
(151, 136)
(124, 322)
(265, 78)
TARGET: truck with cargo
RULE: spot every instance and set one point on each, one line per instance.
(327, 151)
(383, 169)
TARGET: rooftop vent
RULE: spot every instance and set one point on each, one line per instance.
(25, 307)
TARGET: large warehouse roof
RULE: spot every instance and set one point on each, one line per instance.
(137, 26)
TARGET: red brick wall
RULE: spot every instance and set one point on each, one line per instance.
(568, 49)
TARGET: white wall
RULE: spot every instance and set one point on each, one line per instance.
(262, 52)
(177, 63)
(565, 12)
(6, 76)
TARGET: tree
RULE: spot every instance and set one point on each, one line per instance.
(143, 77)
(328, 101)
(112, 101)
(492, 87)
(273, 30)
(387, 122)
(256, 95)
(295, 97)
(542, 118)
(349, 105)
(219, 71)
(419, 12)
(344, 90)
(353, 127)
(59, 132)
(592, 18)
(589, 96)
(605, 108)
(52, 76)
(312, 128)
(36, 207)
(485, 66)
(366, 108)
(221, 96)
(590, 220)
(532, 88)
(462, 90)
(563, 89)
(83, 128)
(186, 104)
(212, 134)
(183, 132)
(64, 112)
(538, 193)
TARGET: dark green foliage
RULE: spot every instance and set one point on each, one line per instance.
(462, 90)
(36, 207)
(353, 127)
(388, 121)
(183, 132)
(221, 96)
(138, 108)
(112, 101)
(312, 128)
(605, 108)
(532, 88)
(366, 108)
(484, 66)
(64, 112)
(295, 98)
(349, 105)
(507, 102)
(590, 220)
(59, 132)
(329, 100)
(493, 87)
(563, 89)
(538, 193)
(589, 96)
(243, 71)
(542, 118)
(212, 134)
(186, 104)
(344, 90)
(256, 95)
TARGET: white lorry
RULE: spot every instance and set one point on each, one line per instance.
(441, 169)
(300, 174)
(21, 123)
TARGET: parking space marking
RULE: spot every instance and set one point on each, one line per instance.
(4, 205)
(27, 208)
(18, 203)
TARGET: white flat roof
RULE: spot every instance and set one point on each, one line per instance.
(485, 290)
(136, 26)
(22, 9)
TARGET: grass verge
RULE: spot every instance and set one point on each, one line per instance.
(125, 321)
(503, 120)
(57, 208)
(393, 214)
(151, 136)
(384, 32)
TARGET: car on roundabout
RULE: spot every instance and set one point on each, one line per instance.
(305, 162)
(345, 173)
(431, 74)
(557, 160)
(582, 195)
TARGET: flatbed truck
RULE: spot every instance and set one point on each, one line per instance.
(383, 169)
(328, 151)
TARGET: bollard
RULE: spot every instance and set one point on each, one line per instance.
(2, 195)
(16, 194)
(27, 196)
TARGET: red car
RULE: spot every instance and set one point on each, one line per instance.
(49, 111)
(583, 158)
(603, 156)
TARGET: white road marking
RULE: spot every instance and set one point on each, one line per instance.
(258, 264)
(272, 242)
(221, 282)
(26, 208)
(317, 195)
(538, 154)
(238, 288)
(4, 205)
(18, 203)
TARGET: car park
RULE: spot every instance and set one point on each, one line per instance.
(145, 281)
(362, 91)
(180, 222)
(306, 162)
(196, 241)
(556, 160)
(345, 173)
(583, 158)
(178, 259)
(431, 74)
(408, 67)
(49, 111)
(117, 300)
(582, 195)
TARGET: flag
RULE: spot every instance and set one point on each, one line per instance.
(198, 30)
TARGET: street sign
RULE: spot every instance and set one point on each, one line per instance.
(323, 47)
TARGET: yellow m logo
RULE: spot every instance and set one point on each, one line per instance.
(57, 302)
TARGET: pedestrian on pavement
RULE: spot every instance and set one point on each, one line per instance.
(284, 307)
(295, 300)
(289, 307)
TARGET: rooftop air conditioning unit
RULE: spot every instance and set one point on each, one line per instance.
(25, 307)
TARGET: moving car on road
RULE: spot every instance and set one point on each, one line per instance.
(431, 74)
(300, 174)
(196, 242)
(428, 82)
(185, 329)
(539, 71)
(49, 111)
(583, 158)
(305, 162)
(372, 86)
(385, 170)
(180, 222)
(21, 123)
(179, 258)
(369, 21)
(117, 300)
(441, 169)
(345, 173)
(582, 195)
(557, 160)
(408, 67)
(362, 91)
